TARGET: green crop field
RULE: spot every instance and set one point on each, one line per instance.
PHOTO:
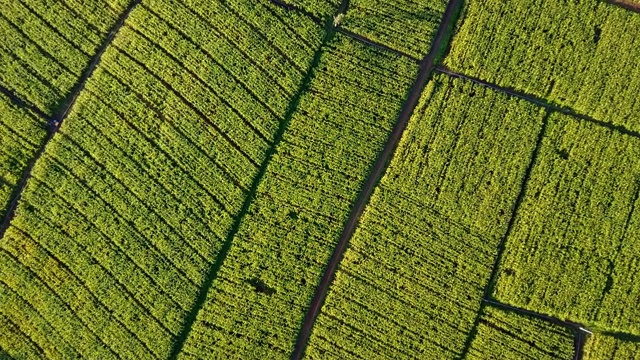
(406, 25)
(503, 335)
(416, 255)
(21, 134)
(583, 54)
(320, 179)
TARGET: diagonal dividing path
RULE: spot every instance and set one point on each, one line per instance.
(426, 67)
(61, 115)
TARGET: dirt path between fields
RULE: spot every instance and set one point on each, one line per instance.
(372, 43)
(426, 67)
(59, 116)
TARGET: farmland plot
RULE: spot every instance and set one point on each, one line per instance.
(583, 54)
(46, 45)
(574, 249)
(605, 347)
(127, 209)
(407, 25)
(508, 336)
(260, 294)
(21, 135)
(412, 280)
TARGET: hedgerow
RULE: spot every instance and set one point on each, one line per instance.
(573, 249)
(127, 209)
(505, 335)
(582, 54)
(413, 277)
(406, 25)
(21, 135)
(261, 293)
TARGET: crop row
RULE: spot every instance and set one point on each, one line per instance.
(128, 207)
(21, 135)
(406, 25)
(261, 293)
(607, 347)
(413, 277)
(509, 336)
(573, 251)
(48, 44)
(317, 7)
(582, 54)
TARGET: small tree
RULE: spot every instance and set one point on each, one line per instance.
(337, 20)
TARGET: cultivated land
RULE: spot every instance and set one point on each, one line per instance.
(319, 179)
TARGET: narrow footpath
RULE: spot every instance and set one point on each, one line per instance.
(426, 67)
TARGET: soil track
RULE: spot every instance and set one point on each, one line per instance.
(60, 115)
(426, 66)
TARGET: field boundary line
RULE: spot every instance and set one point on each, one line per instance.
(540, 102)
(502, 245)
(375, 44)
(215, 267)
(24, 104)
(412, 98)
(56, 120)
(291, 7)
(580, 331)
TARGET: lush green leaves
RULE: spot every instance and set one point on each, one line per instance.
(583, 54)
(21, 135)
(509, 336)
(608, 347)
(412, 280)
(127, 209)
(574, 250)
(261, 293)
(406, 25)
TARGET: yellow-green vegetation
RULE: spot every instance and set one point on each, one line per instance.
(574, 249)
(583, 54)
(503, 335)
(47, 45)
(407, 25)
(430, 235)
(611, 347)
(261, 293)
(21, 135)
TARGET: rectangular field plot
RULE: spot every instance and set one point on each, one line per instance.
(258, 300)
(127, 209)
(505, 335)
(607, 347)
(47, 45)
(407, 25)
(574, 248)
(412, 280)
(21, 135)
(583, 54)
